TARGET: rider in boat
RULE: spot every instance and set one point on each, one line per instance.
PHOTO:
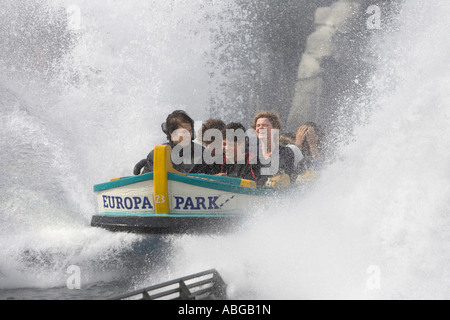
(187, 155)
(208, 135)
(267, 126)
(310, 138)
(238, 161)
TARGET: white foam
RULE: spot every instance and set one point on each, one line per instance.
(382, 206)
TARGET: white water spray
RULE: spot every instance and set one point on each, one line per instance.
(84, 86)
(377, 224)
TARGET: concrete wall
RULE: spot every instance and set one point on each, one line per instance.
(331, 63)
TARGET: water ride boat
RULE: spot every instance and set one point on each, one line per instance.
(168, 201)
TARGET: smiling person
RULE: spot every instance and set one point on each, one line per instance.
(187, 156)
(274, 158)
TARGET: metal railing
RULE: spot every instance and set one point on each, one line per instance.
(206, 285)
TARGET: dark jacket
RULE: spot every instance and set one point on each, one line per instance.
(286, 165)
(248, 171)
(196, 165)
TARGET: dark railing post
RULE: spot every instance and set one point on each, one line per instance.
(146, 296)
(185, 293)
(219, 287)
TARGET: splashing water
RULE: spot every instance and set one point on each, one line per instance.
(376, 225)
(82, 103)
(83, 87)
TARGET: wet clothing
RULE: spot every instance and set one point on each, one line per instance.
(308, 170)
(196, 165)
(248, 171)
(308, 164)
(286, 165)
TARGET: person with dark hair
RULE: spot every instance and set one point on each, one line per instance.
(187, 156)
(208, 125)
(211, 136)
(238, 162)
